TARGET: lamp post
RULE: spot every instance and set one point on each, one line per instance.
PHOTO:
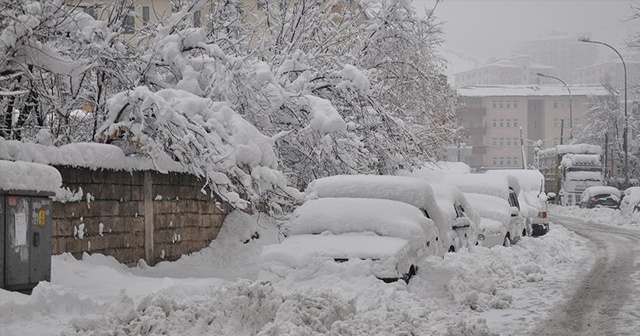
(626, 117)
(570, 102)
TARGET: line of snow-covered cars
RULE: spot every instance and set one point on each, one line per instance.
(389, 223)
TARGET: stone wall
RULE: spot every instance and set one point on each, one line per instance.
(134, 215)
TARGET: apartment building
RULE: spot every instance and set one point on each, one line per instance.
(499, 120)
(562, 51)
(610, 72)
(508, 71)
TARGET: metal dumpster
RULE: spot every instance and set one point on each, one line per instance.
(25, 225)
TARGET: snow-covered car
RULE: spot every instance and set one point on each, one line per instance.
(501, 186)
(630, 200)
(600, 197)
(496, 226)
(531, 196)
(454, 218)
(392, 236)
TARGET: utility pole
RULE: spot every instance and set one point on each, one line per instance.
(524, 157)
(606, 152)
(561, 130)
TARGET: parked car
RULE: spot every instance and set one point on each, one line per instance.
(630, 200)
(532, 194)
(600, 196)
(496, 226)
(454, 218)
(501, 186)
(392, 236)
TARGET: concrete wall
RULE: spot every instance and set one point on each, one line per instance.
(144, 215)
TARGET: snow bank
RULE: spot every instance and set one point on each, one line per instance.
(603, 216)
(29, 176)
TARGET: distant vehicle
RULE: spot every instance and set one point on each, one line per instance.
(446, 206)
(570, 169)
(501, 186)
(600, 196)
(496, 225)
(532, 194)
(392, 236)
(630, 200)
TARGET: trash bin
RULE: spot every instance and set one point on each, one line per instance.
(25, 218)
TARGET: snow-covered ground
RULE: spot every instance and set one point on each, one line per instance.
(482, 291)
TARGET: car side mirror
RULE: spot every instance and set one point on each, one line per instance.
(461, 222)
(515, 212)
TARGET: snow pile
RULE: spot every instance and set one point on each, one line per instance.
(603, 216)
(29, 176)
(480, 278)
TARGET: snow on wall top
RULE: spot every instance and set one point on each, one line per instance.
(29, 176)
(343, 215)
(87, 155)
(531, 90)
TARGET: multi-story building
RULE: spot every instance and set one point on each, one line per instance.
(499, 120)
(509, 71)
(564, 52)
(611, 73)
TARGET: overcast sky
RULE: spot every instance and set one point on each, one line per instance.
(490, 28)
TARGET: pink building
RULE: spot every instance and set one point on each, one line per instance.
(499, 119)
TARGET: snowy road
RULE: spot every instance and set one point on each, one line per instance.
(606, 301)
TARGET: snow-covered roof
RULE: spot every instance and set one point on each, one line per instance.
(529, 179)
(87, 155)
(487, 184)
(381, 216)
(29, 176)
(531, 90)
(576, 148)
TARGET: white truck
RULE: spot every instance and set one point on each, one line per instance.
(570, 169)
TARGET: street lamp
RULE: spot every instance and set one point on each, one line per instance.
(626, 117)
(570, 102)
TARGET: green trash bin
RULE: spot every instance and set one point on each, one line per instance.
(25, 230)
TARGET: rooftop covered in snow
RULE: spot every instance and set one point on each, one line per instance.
(531, 90)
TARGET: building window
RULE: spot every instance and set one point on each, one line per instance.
(515, 161)
(515, 122)
(494, 122)
(515, 104)
(495, 161)
(508, 161)
(145, 15)
(555, 104)
(501, 104)
(128, 24)
(501, 161)
(495, 142)
(508, 122)
(495, 104)
(196, 18)
(501, 122)
(555, 123)
(501, 142)
(508, 142)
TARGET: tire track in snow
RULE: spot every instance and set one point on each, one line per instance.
(606, 301)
